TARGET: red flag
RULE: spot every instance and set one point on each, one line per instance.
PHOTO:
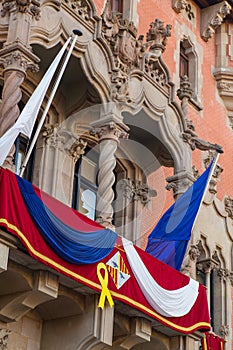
(212, 342)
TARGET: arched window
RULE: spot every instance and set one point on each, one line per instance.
(85, 184)
(211, 272)
(189, 65)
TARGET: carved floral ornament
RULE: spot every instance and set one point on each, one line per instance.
(137, 191)
(228, 201)
(4, 334)
(62, 139)
(26, 6)
(212, 18)
(180, 5)
(81, 7)
(132, 53)
(19, 60)
(109, 131)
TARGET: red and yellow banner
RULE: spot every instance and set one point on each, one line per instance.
(112, 277)
(212, 341)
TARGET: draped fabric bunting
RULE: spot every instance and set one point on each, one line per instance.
(16, 218)
(212, 342)
(70, 244)
(169, 239)
(169, 303)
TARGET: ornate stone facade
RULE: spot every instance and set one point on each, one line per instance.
(118, 96)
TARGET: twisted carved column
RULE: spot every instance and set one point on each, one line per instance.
(16, 57)
(11, 95)
(109, 137)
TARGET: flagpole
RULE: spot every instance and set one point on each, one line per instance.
(207, 185)
(76, 34)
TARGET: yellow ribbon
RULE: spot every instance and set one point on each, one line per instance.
(104, 284)
(205, 344)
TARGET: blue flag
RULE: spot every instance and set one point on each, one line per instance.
(169, 239)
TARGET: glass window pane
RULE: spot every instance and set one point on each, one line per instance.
(88, 170)
(87, 203)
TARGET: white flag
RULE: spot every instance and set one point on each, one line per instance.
(27, 118)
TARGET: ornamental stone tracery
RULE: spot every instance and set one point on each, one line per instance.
(132, 53)
(137, 191)
(4, 334)
(212, 17)
(228, 201)
(81, 7)
(26, 6)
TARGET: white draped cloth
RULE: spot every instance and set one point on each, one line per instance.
(169, 303)
(27, 118)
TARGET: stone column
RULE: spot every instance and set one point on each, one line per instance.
(16, 57)
(109, 129)
(185, 93)
(59, 150)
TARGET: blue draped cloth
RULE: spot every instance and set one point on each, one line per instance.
(169, 239)
(71, 245)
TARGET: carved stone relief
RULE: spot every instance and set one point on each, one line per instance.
(179, 5)
(81, 7)
(62, 139)
(212, 17)
(32, 7)
(228, 201)
(224, 79)
(130, 52)
(185, 93)
(216, 174)
(4, 334)
(224, 331)
(137, 191)
(179, 183)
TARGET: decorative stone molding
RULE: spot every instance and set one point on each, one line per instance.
(141, 331)
(179, 183)
(223, 274)
(26, 6)
(58, 137)
(230, 117)
(132, 53)
(216, 174)
(4, 334)
(183, 5)
(81, 7)
(179, 5)
(212, 17)
(157, 35)
(224, 331)
(119, 87)
(194, 141)
(137, 191)
(44, 288)
(185, 93)
(77, 149)
(153, 68)
(194, 252)
(207, 265)
(224, 79)
(53, 136)
(121, 36)
(228, 201)
(195, 172)
(4, 254)
(20, 60)
(111, 130)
